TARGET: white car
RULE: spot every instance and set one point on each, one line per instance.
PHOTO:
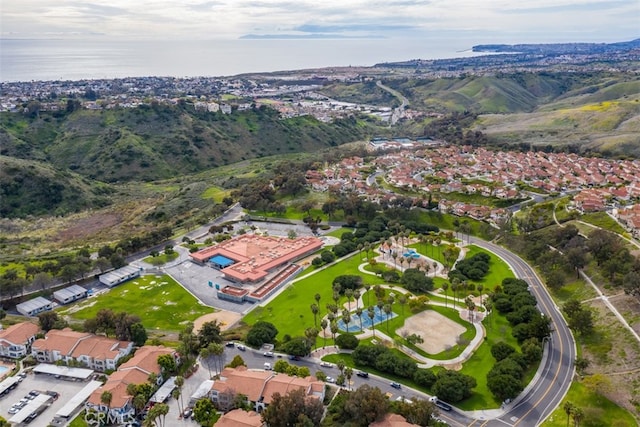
(330, 380)
(326, 364)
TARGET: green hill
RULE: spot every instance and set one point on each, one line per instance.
(149, 143)
(34, 188)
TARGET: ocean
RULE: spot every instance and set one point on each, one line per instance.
(64, 59)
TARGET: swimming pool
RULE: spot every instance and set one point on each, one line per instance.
(3, 370)
(354, 324)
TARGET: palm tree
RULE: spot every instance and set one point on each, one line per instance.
(315, 310)
(176, 395)
(105, 398)
(346, 318)
(340, 365)
(323, 325)
(334, 330)
(394, 255)
(139, 402)
(471, 306)
(402, 300)
(179, 382)
(311, 334)
(317, 298)
(349, 294)
(578, 415)
(372, 314)
(378, 292)
(348, 373)
(356, 296)
(480, 288)
(387, 311)
(568, 409)
(366, 289)
(336, 297)
(445, 287)
(204, 356)
(217, 351)
(359, 314)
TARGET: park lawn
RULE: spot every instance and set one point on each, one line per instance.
(429, 250)
(596, 409)
(159, 301)
(161, 259)
(339, 232)
(290, 311)
(480, 363)
(577, 289)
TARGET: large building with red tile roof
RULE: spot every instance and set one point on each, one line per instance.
(16, 340)
(134, 371)
(94, 351)
(250, 258)
(260, 386)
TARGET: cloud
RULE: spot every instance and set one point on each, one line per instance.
(219, 19)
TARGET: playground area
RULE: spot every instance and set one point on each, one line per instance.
(438, 332)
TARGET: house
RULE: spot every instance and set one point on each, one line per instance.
(70, 294)
(240, 418)
(392, 420)
(137, 370)
(95, 352)
(34, 306)
(16, 340)
(260, 386)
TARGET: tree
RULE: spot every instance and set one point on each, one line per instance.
(581, 364)
(568, 409)
(348, 373)
(105, 398)
(47, 320)
(179, 382)
(261, 332)
(578, 415)
(347, 341)
(420, 412)
(415, 281)
(504, 386)
(453, 386)
(297, 346)
(204, 411)
(501, 350)
(236, 361)
(288, 410)
(209, 333)
(445, 288)
(167, 363)
(366, 405)
(42, 280)
(387, 312)
(323, 325)
(315, 310)
(138, 334)
(372, 314)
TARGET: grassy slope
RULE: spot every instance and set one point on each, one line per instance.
(152, 143)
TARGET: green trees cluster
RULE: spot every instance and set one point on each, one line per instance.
(383, 359)
(122, 325)
(359, 408)
(580, 317)
(416, 281)
(515, 300)
(473, 268)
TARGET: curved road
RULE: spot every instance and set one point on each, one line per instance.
(554, 377)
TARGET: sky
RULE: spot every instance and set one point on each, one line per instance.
(512, 21)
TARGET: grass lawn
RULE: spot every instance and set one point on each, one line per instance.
(602, 220)
(290, 311)
(598, 411)
(159, 301)
(161, 258)
(481, 362)
(498, 269)
(577, 289)
(215, 193)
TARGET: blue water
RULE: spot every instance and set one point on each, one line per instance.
(354, 325)
(3, 370)
(94, 58)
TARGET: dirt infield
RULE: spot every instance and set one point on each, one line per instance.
(225, 318)
(437, 331)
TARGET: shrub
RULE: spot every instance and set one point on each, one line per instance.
(347, 341)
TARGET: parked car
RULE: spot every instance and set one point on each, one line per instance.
(362, 374)
(268, 354)
(241, 347)
(53, 394)
(395, 385)
(187, 413)
(330, 380)
(292, 357)
(326, 364)
(267, 366)
(229, 344)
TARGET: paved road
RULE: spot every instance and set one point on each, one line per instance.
(552, 381)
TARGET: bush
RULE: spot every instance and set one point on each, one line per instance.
(424, 377)
(501, 351)
(262, 332)
(347, 341)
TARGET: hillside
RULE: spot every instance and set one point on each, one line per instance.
(150, 143)
(34, 188)
(602, 118)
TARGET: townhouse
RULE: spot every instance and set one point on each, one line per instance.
(136, 370)
(260, 386)
(16, 340)
(93, 351)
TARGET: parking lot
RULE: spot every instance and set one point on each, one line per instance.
(41, 383)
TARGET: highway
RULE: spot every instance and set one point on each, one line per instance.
(554, 377)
